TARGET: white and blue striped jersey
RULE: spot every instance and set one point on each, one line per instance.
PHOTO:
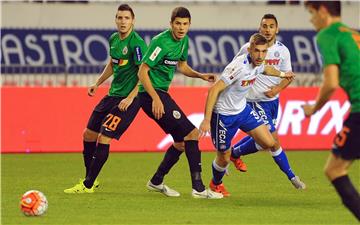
(239, 76)
(278, 55)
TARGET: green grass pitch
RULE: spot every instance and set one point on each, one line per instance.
(263, 195)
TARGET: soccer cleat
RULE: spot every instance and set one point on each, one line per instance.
(79, 189)
(96, 184)
(206, 194)
(162, 188)
(239, 164)
(220, 188)
(298, 184)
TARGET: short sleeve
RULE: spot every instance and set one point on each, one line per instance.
(154, 53)
(184, 55)
(139, 48)
(286, 63)
(231, 73)
(328, 48)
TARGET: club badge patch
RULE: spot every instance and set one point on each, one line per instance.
(125, 50)
(176, 114)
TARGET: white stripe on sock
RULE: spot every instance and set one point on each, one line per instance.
(219, 168)
(258, 147)
(277, 152)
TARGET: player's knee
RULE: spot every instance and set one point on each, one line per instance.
(103, 139)
(179, 146)
(222, 161)
(332, 172)
(89, 135)
(270, 144)
(223, 158)
(193, 135)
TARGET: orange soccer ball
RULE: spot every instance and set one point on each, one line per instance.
(33, 203)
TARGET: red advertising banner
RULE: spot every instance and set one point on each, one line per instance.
(53, 119)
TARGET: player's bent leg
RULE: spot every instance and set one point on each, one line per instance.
(89, 147)
(219, 168)
(336, 169)
(100, 157)
(282, 161)
(171, 157)
(262, 137)
(193, 156)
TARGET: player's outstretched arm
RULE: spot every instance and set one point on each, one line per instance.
(278, 88)
(271, 71)
(157, 105)
(107, 72)
(185, 69)
(211, 99)
(329, 85)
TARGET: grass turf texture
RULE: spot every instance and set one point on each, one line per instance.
(263, 195)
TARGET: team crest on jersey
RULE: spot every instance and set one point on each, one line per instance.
(277, 54)
(125, 50)
(176, 114)
(155, 53)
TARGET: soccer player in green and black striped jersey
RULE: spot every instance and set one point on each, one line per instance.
(167, 52)
(340, 48)
(115, 112)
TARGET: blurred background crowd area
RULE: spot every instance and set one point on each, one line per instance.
(65, 43)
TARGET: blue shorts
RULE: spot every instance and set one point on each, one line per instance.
(268, 111)
(224, 127)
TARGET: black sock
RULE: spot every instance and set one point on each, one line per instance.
(349, 196)
(99, 159)
(88, 153)
(171, 157)
(193, 156)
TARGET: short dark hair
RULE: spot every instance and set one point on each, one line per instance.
(126, 7)
(333, 7)
(258, 39)
(181, 12)
(269, 16)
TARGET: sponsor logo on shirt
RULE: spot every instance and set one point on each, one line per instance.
(120, 62)
(245, 83)
(123, 62)
(170, 62)
(155, 53)
(138, 53)
(222, 134)
(272, 61)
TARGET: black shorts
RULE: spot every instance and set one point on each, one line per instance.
(347, 141)
(109, 120)
(174, 121)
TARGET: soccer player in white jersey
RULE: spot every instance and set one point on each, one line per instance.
(263, 97)
(226, 110)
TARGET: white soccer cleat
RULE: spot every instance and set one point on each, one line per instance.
(162, 188)
(206, 194)
(298, 184)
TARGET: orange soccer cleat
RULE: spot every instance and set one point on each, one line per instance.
(220, 188)
(239, 164)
